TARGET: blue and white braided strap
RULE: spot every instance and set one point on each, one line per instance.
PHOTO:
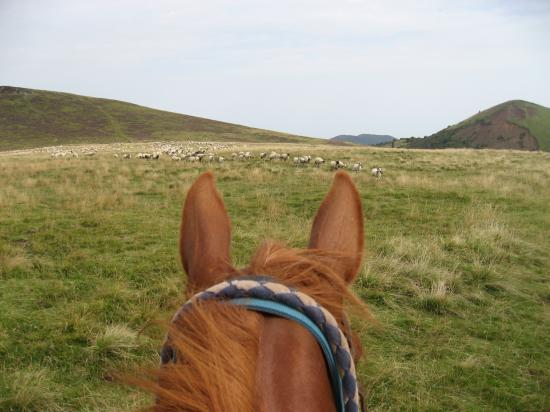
(270, 290)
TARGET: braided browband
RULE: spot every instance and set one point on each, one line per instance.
(268, 289)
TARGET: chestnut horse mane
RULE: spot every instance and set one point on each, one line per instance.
(218, 344)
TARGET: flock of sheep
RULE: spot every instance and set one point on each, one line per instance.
(206, 152)
(335, 164)
(60, 152)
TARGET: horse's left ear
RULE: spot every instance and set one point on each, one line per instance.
(205, 235)
(338, 226)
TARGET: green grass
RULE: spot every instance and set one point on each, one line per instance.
(38, 118)
(456, 271)
(538, 124)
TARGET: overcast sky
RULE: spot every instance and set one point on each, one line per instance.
(317, 68)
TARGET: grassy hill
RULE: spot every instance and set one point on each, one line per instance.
(516, 124)
(36, 118)
(456, 271)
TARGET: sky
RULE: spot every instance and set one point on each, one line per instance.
(310, 67)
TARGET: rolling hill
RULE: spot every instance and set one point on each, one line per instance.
(515, 124)
(36, 118)
(367, 139)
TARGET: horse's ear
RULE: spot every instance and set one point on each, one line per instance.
(205, 235)
(338, 226)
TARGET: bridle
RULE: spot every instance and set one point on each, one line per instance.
(267, 295)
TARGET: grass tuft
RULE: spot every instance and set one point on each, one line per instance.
(29, 390)
(116, 342)
(436, 299)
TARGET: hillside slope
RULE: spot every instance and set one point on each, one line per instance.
(34, 118)
(515, 124)
(367, 139)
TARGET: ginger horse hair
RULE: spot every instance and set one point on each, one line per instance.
(234, 359)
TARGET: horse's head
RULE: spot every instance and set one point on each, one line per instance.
(233, 359)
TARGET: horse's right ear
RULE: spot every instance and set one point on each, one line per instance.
(205, 235)
(338, 226)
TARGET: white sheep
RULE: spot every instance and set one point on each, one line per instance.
(357, 167)
(337, 164)
(318, 161)
(377, 172)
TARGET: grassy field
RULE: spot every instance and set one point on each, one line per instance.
(456, 271)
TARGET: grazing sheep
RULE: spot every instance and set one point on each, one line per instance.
(126, 156)
(318, 161)
(220, 159)
(357, 167)
(337, 164)
(377, 172)
(305, 159)
(274, 156)
(285, 156)
(296, 161)
(244, 155)
(263, 155)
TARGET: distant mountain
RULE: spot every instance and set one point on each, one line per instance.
(516, 124)
(35, 118)
(368, 139)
